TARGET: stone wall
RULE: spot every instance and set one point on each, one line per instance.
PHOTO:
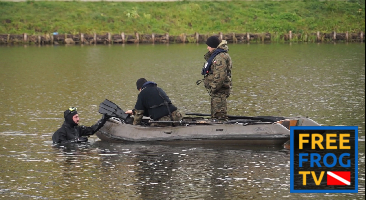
(136, 38)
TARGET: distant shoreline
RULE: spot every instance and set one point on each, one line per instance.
(123, 38)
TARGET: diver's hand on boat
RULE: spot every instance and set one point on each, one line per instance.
(100, 123)
(105, 117)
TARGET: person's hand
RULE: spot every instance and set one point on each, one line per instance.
(129, 112)
(101, 122)
(212, 90)
(105, 117)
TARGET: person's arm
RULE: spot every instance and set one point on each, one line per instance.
(87, 131)
(138, 115)
(138, 112)
(219, 71)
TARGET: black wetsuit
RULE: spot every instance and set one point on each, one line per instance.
(71, 133)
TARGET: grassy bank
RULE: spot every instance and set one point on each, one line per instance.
(309, 16)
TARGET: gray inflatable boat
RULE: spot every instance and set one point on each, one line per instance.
(261, 130)
(204, 131)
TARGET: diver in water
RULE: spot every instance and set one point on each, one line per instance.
(72, 132)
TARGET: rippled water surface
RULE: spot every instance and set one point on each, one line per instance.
(323, 81)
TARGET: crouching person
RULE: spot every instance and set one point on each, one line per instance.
(153, 102)
(72, 132)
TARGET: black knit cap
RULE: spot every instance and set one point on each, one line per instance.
(213, 42)
(140, 82)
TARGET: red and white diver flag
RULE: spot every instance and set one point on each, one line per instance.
(338, 178)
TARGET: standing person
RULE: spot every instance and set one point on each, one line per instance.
(71, 132)
(217, 76)
(153, 102)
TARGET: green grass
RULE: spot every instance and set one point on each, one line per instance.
(175, 18)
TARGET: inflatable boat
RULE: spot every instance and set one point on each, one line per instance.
(196, 128)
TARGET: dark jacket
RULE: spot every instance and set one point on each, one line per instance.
(151, 101)
(68, 133)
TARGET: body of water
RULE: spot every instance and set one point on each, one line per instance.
(325, 82)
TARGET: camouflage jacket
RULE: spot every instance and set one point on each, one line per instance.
(219, 77)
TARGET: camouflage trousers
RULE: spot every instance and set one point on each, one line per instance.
(176, 115)
(219, 104)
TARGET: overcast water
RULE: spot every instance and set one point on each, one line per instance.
(325, 82)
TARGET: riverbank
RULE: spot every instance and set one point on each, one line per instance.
(182, 17)
(42, 39)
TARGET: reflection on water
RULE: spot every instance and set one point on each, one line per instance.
(148, 171)
(203, 172)
(325, 82)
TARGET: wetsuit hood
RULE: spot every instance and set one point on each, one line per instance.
(68, 117)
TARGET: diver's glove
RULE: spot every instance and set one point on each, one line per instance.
(101, 122)
(105, 117)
